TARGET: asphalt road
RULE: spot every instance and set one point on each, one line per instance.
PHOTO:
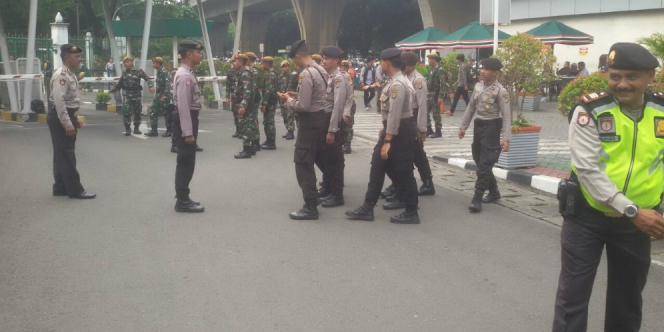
(127, 262)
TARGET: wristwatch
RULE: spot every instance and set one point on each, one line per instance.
(631, 211)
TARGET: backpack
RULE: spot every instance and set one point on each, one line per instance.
(37, 106)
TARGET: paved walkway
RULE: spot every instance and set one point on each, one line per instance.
(553, 156)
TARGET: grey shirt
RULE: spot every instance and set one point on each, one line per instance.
(462, 81)
(350, 91)
(488, 103)
(336, 99)
(396, 102)
(585, 147)
(64, 94)
(420, 99)
(311, 90)
(186, 96)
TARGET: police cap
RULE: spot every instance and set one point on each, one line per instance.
(190, 45)
(409, 58)
(389, 54)
(296, 47)
(251, 55)
(70, 49)
(631, 56)
(332, 52)
(492, 64)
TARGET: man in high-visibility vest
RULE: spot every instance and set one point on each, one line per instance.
(616, 141)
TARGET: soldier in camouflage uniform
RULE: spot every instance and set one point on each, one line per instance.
(130, 83)
(349, 114)
(231, 80)
(256, 103)
(292, 86)
(287, 114)
(269, 107)
(437, 84)
(163, 97)
(243, 100)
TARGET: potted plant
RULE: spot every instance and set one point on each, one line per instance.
(530, 100)
(102, 99)
(526, 63)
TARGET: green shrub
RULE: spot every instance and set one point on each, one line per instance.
(103, 97)
(451, 66)
(582, 85)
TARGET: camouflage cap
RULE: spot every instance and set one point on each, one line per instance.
(127, 58)
(241, 56)
(268, 59)
(251, 55)
(158, 59)
(285, 63)
(434, 55)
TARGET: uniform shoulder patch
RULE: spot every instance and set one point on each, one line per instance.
(595, 96)
(418, 84)
(63, 81)
(337, 83)
(395, 90)
(188, 82)
(583, 119)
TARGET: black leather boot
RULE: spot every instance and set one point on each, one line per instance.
(427, 188)
(269, 145)
(406, 217)
(252, 150)
(437, 134)
(127, 130)
(364, 212)
(347, 149)
(136, 131)
(290, 135)
(492, 196)
(476, 203)
(429, 131)
(324, 192)
(174, 148)
(188, 206)
(389, 191)
(244, 154)
(333, 201)
(198, 148)
(308, 212)
(168, 133)
(236, 134)
(394, 204)
(153, 132)
(257, 145)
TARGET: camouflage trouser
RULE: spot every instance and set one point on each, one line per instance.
(158, 108)
(347, 129)
(289, 117)
(168, 117)
(248, 127)
(434, 109)
(256, 127)
(268, 121)
(132, 106)
(235, 116)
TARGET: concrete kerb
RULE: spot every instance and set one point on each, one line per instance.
(544, 183)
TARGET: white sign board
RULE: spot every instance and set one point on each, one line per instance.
(261, 47)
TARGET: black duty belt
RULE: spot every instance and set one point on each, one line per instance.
(492, 122)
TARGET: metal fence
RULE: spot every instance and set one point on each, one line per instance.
(18, 47)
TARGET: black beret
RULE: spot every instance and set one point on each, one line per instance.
(332, 52)
(70, 49)
(370, 58)
(190, 45)
(390, 53)
(296, 45)
(410, 58)
(492, 64)
(631, 56)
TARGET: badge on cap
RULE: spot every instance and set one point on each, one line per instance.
(612, 58)
(74, 49)
(395, 90)
(583, 119)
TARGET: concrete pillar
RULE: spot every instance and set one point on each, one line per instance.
(29, 67)
(11, 87)
(89, 56)
(254, 30)
(218, 37)
(319, 21)
(60, 36)
(450, 15)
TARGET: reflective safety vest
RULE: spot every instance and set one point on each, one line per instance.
(632, 151)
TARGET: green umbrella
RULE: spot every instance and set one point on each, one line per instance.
(554, 32)
(425, 39)
(473, 35)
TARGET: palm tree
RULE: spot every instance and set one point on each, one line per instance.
(655, 44)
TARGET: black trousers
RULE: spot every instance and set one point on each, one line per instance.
(168, 117)
(422, 162)
(369, 94)
(379, 107)
(583, 239)
(398, 167)
(331, 161)
(486, 150)
(459, 92)
(186, 159)
(310, 136)
(67, 179)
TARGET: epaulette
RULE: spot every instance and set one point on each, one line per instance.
(659, 95)
(595, 96)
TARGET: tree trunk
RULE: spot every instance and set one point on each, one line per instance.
(92, 18)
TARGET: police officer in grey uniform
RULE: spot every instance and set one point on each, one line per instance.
(187, 99)
(330, 158)
(63, 124)
(616, 138)
(393, 154)
(490, 104)
(309, 103)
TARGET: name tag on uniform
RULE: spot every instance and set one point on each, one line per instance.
(606, 126)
